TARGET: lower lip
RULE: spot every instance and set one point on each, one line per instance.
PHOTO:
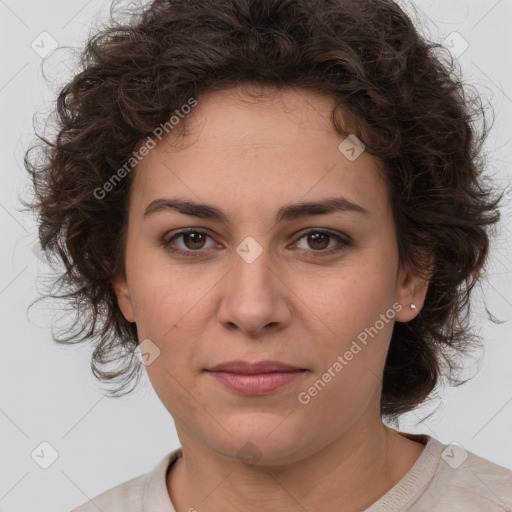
(257, 384)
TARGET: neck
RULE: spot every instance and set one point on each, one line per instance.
(349, 474)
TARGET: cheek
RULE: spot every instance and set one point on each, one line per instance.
(346, 304)
(350, 347)
(172, 310)
(164, 295)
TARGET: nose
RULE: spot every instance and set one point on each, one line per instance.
(255, 298)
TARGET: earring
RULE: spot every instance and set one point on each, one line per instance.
(413, 307)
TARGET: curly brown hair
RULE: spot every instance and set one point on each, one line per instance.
(401, 95)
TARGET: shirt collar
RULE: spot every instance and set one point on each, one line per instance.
(156, 497)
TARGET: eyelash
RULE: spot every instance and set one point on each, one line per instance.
(197, 253)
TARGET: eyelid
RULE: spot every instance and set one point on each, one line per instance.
(326, 231)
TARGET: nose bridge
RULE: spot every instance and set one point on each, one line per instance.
(251, 272)
(252, 298)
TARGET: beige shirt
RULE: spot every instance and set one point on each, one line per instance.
(445, 478)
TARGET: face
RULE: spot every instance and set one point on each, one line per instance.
(260, 276)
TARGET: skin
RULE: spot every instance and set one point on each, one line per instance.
(249, 157)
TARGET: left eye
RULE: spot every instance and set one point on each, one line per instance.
(319, 240)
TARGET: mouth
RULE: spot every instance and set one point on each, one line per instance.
(248, 368)
(258, 378)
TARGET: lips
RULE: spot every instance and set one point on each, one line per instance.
(247, 368)
(260, 378)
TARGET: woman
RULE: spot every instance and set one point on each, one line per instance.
(277, 209)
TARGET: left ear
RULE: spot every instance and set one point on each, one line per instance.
(412, 289)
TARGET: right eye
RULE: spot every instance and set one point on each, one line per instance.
(192, 242)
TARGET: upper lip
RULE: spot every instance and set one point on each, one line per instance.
(246, 367)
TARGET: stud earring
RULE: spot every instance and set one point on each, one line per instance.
(413, 307)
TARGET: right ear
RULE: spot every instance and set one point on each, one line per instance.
(123, 297)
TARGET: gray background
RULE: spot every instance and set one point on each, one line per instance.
(48, 393)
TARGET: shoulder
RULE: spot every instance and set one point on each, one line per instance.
(466, 482)
(144, 492)
(125, 497)
(446, 477)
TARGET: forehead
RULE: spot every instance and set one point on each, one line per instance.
(250, 151)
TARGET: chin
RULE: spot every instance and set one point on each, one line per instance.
(272, 441)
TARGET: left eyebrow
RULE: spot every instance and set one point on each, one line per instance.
(286, 213)
(324, 207)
